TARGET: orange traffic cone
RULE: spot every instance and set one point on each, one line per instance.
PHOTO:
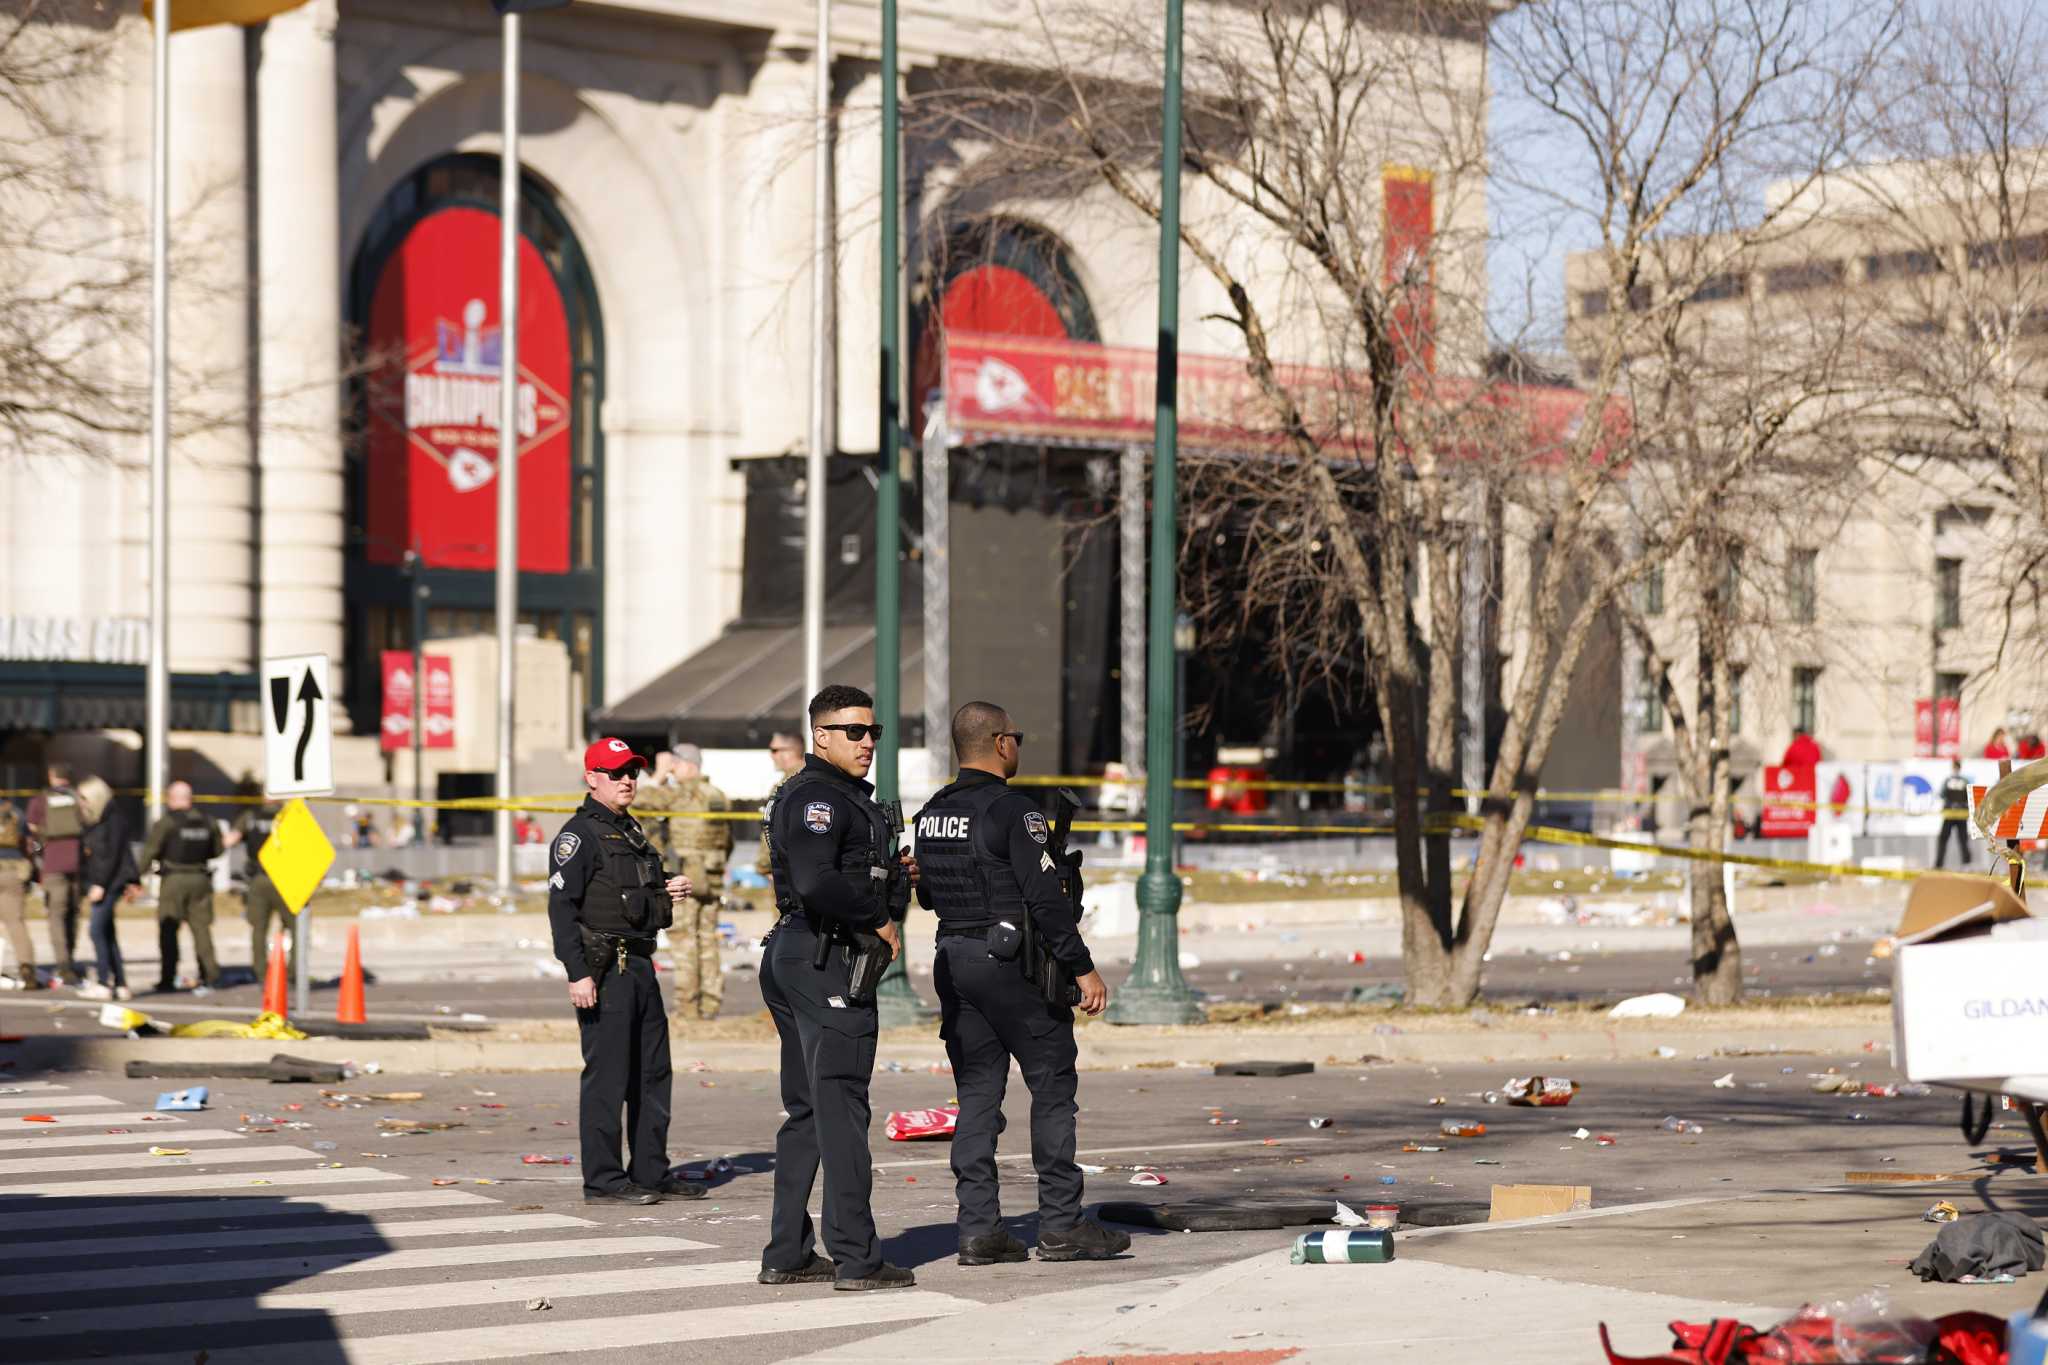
(276, 994)
(350, 1008)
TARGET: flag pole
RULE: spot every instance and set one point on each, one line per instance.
(157, 703)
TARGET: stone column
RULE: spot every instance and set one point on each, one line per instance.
(298, 336)
(211, 497)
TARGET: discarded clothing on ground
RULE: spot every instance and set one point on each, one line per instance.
(1982, 1244)
(1958, 1339)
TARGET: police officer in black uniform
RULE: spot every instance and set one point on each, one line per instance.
(829, 850)
(607, 899)
(984, 850)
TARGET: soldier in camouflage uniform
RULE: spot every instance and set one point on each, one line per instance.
(658, 794)
(15, 873)
(786, 752)
(261, 903)
(703, 846)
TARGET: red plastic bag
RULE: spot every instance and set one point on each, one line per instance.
(916, 1125)
(1962, 1339)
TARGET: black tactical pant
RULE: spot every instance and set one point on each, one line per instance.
(828, 1057)
(989, 1013)
(625, 1065)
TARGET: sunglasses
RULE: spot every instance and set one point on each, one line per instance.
(856, 732)
(1016, 736)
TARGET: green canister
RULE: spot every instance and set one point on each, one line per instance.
(1338, 1246)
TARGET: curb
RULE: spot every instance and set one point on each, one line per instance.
(919, 1049)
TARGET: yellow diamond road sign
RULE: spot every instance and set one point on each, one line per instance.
(296, 855)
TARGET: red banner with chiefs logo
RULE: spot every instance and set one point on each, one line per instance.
(1937, 727)
(438, 715)
(433, 441)
(1053, 389)
(1788, 802)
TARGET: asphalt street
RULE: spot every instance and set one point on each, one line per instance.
(509, 989)
(442, 1243)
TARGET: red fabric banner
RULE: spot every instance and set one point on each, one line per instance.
(433, 419)
(395, 729)
(1410, 198)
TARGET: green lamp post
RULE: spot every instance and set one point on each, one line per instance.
(1156, 992)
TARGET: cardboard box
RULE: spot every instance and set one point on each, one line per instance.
(1966, 1006)
(1511, 1202)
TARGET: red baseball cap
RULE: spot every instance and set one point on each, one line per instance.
(609, 755)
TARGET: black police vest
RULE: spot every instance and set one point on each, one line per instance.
(189, 843)
(627, 894)
(799, 790)
(967, 886)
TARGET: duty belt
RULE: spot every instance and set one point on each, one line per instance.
(964, 930)
(185, 869)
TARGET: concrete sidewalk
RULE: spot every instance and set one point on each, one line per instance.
(1480, 1293)
(1269, 1310)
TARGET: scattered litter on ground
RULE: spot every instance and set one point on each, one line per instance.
(918, 1125)
(38, 1118)
(1348, 1217)
(1678, 1125)
(1318, 1121)
(1461, 1128)
(1512, 1202)
(170, 1151)
(182, 1101)
(541, 1159)
(1540, 1092)
(1667, 1053)
(1943, 1212)
(1661, 1005)
(1726, 1082)
(1343, 1246)
(538, 1305)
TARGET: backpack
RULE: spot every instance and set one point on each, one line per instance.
(62, 819)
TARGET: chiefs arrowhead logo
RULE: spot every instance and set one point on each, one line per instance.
(469, 471)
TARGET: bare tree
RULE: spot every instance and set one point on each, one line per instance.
(1357, 520)
(74, 257)
(1771, 393)
(1947, 213)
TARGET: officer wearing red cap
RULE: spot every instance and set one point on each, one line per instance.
(608, 896)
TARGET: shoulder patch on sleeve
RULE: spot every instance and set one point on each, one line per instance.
(818, 817)
(566, 846)
(1035, 826)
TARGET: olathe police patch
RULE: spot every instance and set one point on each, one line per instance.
(1034, 825)
(566, 846)
(818, 816)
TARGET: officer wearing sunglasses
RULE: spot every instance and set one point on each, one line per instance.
(989, 859)
(828, 846)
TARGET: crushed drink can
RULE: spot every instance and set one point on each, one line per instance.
(1343, 1246)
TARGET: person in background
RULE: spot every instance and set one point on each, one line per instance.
(2032, 746)
(16, 871)
(1955, 812)
(106, 872)
(180, 846)
(703, 847)
(261, 902)
(1802, 752)
(1997, 746)
(786, 752)
(54, 830)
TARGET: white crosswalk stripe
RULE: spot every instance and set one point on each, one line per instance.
(125, 1118)
(65, 1138)
(226, 1209)
(647, 1330)
(111, 1249)
(141, 1160)
(55, 1102)
(188, 1242)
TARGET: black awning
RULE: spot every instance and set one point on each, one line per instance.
(748, 683)
(79, 696)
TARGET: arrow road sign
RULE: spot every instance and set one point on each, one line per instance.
(298, 728)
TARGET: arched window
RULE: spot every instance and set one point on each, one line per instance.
(997, 275)
(423, 458)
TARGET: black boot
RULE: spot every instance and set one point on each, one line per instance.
(991, 1248)
(817, 1270)
(888, 1277)
(1086, 1240)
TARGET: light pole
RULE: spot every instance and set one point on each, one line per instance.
(418, 592)
(894, 999)
(1155, 992)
